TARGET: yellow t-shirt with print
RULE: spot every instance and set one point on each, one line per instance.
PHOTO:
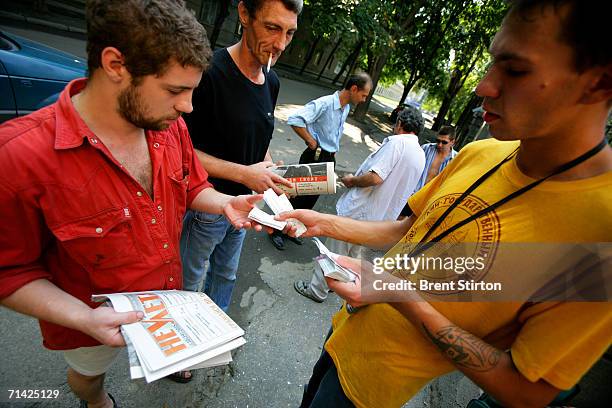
(383, 360)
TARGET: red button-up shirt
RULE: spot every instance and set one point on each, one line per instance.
(70, 213)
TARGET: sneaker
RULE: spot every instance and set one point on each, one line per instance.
(277, 241)
(303, 289)
(296, 240)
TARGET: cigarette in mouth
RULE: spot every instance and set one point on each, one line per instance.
(269, 62)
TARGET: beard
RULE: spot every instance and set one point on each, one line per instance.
(133, 109)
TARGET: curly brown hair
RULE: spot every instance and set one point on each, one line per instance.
(149, 33)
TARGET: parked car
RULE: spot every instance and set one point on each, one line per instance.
(400, 107)
(32, 75)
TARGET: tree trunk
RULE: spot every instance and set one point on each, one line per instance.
(455, 84)
(352, 56)
(371, 60)
(465, 120)
(451, 91)
(222, 13)
(350, 71)
(310, 53)
(408, 87)
(362, 108)
(405, 28)
(330, 56)
(404, 94)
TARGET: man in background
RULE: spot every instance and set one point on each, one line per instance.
(437, 155)
(320, 124)
(378, 190)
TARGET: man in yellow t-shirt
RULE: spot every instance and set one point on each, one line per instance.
(547, 97)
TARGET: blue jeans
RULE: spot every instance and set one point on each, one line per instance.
(210, 237)
(324, 389)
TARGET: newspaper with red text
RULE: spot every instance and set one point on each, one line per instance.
(180, 330)
(308, 179)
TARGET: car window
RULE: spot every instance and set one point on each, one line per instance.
(6, 44)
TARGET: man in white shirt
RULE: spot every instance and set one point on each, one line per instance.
(377, 192)
(320, 123)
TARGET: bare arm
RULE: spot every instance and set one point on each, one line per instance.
(45, 301)
(368, 179)
(257, 176)
(490, 368)
(373, 234)
(211, 201)
(220, 168)
(236, 209)
(268, 156)
(302, 132)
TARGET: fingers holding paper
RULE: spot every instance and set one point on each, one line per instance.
(104, 325)
(312, 220)
(237, 211)
(260, 177)
(350, 291)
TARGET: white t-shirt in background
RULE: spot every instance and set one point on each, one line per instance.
(399, 161)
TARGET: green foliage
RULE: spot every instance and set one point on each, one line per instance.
(431, 104)
(412, 41)
(329, 18)
(464, 95)
(424, 54)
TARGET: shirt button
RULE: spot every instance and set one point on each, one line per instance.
(165, 246)
(99, 230)
(153, 221)
(167, 261)
(139, 193)
(156, 145)
(171, 279)
(94, 141)
(159, 207)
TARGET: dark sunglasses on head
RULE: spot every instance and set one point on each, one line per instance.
(442, 141)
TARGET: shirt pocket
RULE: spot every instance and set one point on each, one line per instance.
(180, 184)
(101, 241)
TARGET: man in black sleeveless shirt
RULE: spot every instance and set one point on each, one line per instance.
(231, 128)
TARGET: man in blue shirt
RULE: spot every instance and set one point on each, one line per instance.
(437, 155)
(320, 123)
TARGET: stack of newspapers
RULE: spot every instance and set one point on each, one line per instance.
(180, 331)
(328, 261)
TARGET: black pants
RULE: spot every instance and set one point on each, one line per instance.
(308, 156)
(324, 389)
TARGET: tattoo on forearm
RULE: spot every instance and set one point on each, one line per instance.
(464, 349)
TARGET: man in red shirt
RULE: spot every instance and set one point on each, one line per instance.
(93, 188)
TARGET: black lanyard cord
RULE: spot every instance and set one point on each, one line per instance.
(422, 245)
